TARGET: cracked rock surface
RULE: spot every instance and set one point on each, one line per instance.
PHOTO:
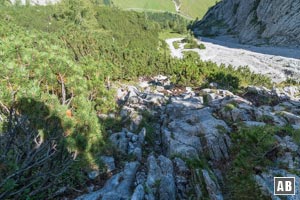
(189, 126)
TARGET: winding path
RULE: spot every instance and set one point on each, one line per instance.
(177, 6)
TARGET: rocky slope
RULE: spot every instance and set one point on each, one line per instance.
(272, 22)
(183, 151)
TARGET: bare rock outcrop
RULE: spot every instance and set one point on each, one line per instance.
(185, 149)
(271, 22)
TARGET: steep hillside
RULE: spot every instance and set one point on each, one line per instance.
(196, 8)
(272, 22)
(92, 106)
(188, 8)
(59, 67)
(157, 5)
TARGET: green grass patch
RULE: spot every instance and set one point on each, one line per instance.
(190, 54)
(201, 46)
(189, 8)
(170, 34)
(251, 147)
(196, 8)
(148, 122)
(229, 107)
(155, 5)
(176, 44)
(191, 43)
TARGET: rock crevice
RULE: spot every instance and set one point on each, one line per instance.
(185, 147)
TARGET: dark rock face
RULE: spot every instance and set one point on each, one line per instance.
(272, 22)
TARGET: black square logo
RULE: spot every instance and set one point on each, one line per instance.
(284, 185)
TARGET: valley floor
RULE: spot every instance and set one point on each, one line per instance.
(276, 62)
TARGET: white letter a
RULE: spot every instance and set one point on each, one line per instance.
(280, 186)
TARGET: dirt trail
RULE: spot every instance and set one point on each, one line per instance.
(177, 6)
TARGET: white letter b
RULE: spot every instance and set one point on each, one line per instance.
(288, 186)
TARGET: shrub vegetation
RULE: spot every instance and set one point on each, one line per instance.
(56, 65)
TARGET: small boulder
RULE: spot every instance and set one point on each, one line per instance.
(167, 188)
(93, 174)
(138, 193)
(212, 187)
(109, 163)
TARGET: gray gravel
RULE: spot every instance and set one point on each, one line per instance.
(276, 62)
